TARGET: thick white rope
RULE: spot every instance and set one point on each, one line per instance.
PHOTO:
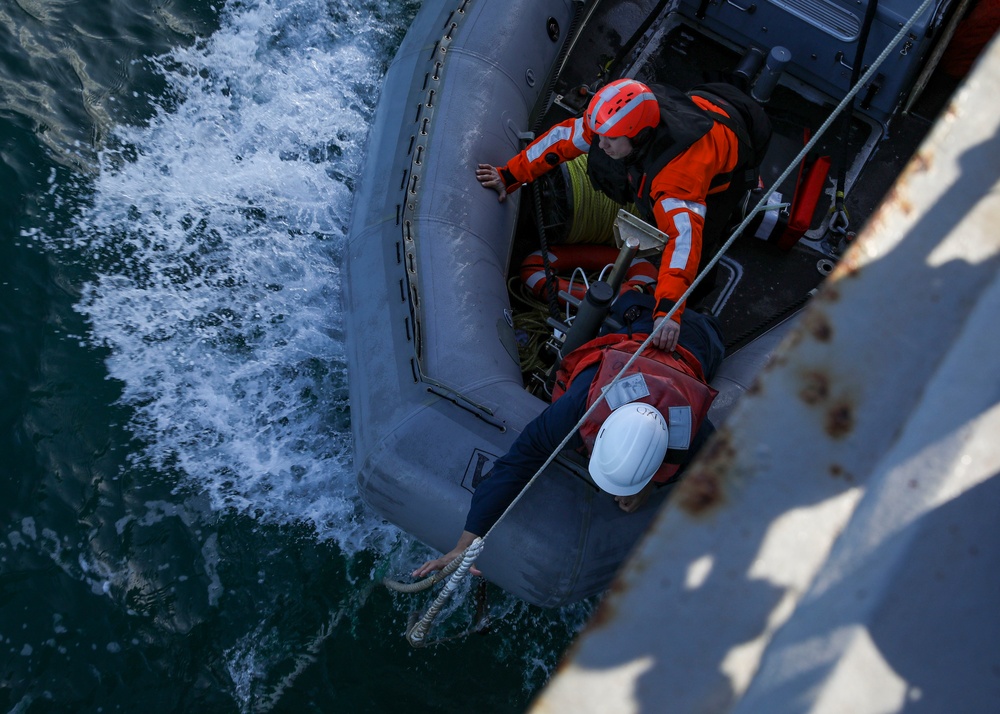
(418, 632)
(761, 206)
(429, 581)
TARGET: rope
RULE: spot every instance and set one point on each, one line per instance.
(427, 582)
(593, 212)
(269, 701)
(532, 319)
(419, 631)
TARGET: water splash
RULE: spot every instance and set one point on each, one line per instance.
(215, 229)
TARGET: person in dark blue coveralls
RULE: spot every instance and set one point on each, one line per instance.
(700, 335)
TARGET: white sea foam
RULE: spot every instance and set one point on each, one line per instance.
(216, 230)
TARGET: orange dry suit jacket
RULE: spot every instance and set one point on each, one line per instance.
(693, 153)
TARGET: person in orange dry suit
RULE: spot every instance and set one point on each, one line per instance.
(684, 159)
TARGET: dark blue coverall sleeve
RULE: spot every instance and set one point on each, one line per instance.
(528, 452)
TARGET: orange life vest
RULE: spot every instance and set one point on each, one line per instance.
(675, 383)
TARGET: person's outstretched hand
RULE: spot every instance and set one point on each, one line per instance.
(489, 177)
(439, 563)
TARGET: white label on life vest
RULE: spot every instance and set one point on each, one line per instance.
(679, 427)
(627, 390)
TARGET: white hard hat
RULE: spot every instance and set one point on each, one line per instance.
(629, 449)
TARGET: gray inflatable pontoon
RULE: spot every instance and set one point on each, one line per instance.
(435, 384)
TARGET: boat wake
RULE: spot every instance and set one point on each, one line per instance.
(214, 233)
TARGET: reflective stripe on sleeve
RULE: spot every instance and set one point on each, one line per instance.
(672, 204)
(573, 133)
(578, 140)
(682, 244)
(546, 141)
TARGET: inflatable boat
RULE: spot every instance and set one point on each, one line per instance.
(438, 385)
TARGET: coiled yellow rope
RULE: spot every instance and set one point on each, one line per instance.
(530, 319)
(593, 212)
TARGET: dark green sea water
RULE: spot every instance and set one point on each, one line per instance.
(180, 527)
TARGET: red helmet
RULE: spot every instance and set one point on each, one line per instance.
(623, 108)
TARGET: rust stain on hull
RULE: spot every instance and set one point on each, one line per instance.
(702, 490)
